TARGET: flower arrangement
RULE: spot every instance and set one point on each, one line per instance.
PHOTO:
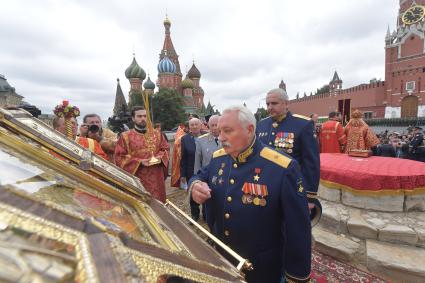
(66, 110)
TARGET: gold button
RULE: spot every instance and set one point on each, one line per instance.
(227, 215)
(273, 133)
(235, 165)
(226, 232)
(232, 181)
(270, 143)
(229, 199)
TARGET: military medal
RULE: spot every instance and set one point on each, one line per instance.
(249, 199)
(220, 181)
(220, 172)
(214, 180)
(275, 124)
(257, 171)
(263, 202)
(256, 201)
(244, 198)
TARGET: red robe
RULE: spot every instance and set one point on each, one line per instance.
(332, 137)
(359, 136)
(92, 145)
(177, 155)
(133, 148)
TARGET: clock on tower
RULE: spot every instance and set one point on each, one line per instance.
(413, 15)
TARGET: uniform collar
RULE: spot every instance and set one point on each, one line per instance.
(280, 118)
(244, 156)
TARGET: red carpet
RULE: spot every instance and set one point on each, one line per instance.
(327, 269)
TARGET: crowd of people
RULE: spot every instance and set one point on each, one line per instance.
(357, 135)
(256, 182)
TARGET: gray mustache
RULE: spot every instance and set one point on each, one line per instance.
(226, 144)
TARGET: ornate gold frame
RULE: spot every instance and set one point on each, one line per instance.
(154, 224)
(23, 123)
(13, 217)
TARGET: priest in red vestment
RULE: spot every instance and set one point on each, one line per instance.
(144, 152)
(332, 138)
(359, 135)
(177, 155)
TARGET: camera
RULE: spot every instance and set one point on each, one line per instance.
(94, 128)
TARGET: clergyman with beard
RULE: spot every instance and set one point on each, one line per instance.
(144, 152)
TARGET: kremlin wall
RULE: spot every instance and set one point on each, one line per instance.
(401, 95)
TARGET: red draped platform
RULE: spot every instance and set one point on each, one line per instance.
(372, 176)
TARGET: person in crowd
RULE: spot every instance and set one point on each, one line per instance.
(206, 145)
(417, 147)
(182, 130)
(315, 118)
(332, 136)
(144, 152)
(92, 128)
(256, 202)
(293, 135)
(59, 124)
(187, 162)
(359, 135)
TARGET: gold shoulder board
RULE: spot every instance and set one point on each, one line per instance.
(301, 116)
(275, 157)
(219, 153)
(204, 135)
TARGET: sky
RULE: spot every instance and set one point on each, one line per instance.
(52, 50)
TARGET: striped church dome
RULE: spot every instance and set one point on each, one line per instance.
(134, 71)
(166, 66)
(149, 84)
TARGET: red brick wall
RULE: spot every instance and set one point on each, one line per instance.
(413, 45)
(366, 97)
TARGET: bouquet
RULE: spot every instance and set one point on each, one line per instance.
(67, 111)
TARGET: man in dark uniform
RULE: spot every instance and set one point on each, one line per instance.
(292, 134)
(256, 202)
(187, 162)
(417, 147)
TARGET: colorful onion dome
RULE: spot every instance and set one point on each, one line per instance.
(149, 84)
(166, 65)
(134, 71)
(187, 83)
(194, 72)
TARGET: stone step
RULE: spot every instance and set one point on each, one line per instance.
(337, 246)
(398, 263)
(362, 224)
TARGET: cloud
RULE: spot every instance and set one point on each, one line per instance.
(76, 49)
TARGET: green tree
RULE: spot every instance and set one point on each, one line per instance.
(168, 109)
(261, 113)
(136, 99)
(323, 89)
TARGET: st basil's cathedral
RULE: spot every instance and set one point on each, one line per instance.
(169, 76)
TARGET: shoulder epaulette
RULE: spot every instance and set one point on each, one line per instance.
(204, 135)
(265, 119)
(219, 153)
(301, 116)
(275, 157)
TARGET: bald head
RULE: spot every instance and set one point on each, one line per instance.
(213, 125)
(195, 126)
